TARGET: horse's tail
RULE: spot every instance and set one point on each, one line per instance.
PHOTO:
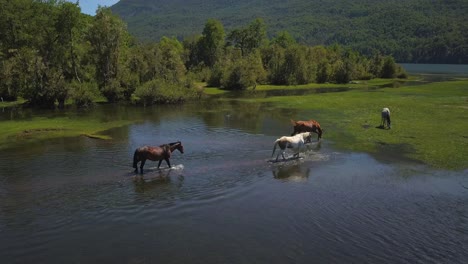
(274, 148)
(135, 159)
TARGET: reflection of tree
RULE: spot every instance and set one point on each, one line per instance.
(296, 172)
(252, 117)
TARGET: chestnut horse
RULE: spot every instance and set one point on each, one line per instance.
(160, 153)
(307, 126)
(295, 142)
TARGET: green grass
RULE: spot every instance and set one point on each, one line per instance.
(429, 122)
(213, 91)
(35, 129)
(18, 102)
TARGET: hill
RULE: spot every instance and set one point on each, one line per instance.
(411, 30)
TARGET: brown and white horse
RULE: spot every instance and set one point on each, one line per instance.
(307, 126)
(295, 142)
(159, 153)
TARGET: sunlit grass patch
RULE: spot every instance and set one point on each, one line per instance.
(40, 128)
(214, 91)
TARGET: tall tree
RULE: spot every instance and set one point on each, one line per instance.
(108, 37)
(211, 42)
(249, 38)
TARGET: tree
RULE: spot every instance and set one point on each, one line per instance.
(68, 20)
(108, 37)
(284, 39)
(172, 67)
(245, 72)
(249, 38)
(211, 43)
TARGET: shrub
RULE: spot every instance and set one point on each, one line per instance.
(83, 94)
(389, 68)
(160, 91)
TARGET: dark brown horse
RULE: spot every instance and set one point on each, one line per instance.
(307, 126)
(160, 153)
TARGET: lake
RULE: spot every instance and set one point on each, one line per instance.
(436, 69)
(77, 200)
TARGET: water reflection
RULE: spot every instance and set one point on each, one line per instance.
(296, 172)
(283, 92)
(157, 180)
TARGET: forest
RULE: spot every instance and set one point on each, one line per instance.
(52, 55)
(415, 31)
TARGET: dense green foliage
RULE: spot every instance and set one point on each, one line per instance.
(248, 58)
(411, 30)
(51, 54)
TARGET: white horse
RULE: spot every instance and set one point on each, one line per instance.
(295, 142)
(385, 118)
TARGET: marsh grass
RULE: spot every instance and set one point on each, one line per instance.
(40, 128)
(429, 121)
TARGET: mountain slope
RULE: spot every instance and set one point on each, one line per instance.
(410, 30)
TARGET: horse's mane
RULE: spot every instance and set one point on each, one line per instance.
(174, 143)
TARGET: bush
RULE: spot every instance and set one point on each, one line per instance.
(401, 73)
(83, 94)
(160, 91)
(112, 90)
(389, 68)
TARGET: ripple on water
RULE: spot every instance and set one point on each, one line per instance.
(224, 196)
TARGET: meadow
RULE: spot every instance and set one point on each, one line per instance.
(429, 121)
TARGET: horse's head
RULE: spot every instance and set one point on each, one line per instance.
(179, 147)
(319, 132)
(306, 136)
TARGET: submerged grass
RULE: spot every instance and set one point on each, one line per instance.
(40, 128)
(428, 120)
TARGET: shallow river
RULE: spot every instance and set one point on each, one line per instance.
(77, 200)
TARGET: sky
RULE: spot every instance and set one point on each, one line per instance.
(89, 6)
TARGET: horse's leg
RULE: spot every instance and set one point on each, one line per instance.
(159, 163)
(168, 163)
(296, 155)
(279, 153)
(141, 166)
(136, 167)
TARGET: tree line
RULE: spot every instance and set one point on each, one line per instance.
(52, 54)
(411, 30)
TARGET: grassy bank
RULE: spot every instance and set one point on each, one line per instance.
(429, 121)
(39, 128)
